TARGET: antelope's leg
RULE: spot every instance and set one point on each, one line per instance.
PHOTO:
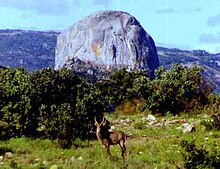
(108, 151)
(123, 148)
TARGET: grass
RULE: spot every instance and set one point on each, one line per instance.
(151, 146)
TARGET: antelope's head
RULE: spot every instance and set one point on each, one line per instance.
(101, 125)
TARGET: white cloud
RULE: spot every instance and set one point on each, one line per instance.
(166, 10)
(174, 45)
(210, 38)
(55, 7)
(214, 20)
(217, 49)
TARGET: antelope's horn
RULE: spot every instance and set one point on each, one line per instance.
(103, 120)
(95, 120)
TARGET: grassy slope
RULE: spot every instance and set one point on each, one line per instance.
(150, 147)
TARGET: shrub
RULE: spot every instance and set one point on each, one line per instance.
(71, 113)
(199, 158)
(48, 103)
(89, 103)
(57, 122)
(177, 90)
(140, 125)
(212, 123)
(130, 107)
(15, 104)
(122, 87)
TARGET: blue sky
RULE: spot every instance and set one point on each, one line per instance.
(183, 24)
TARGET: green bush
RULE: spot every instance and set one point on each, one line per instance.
(15, 104)
(199, 158)
(70, 112)
(212, 123)
(90, 103)
(129, 108)
(60, 105)
(57, 122)
(122, 87)
(48, 103)
(177, 90)
(140, 125)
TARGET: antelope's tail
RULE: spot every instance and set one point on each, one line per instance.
(127, 137)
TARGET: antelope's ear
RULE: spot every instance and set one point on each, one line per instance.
(96, 124)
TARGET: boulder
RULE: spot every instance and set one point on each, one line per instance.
(106, 41)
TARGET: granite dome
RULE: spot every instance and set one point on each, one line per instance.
(106, 40)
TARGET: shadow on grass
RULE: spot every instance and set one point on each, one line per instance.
(3, 150)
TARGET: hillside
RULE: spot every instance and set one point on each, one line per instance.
(36, 49)
(210, 62)
(29, 49)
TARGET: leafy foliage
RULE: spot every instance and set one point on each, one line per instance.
(130, 107)
(60, 105)
(48, 103)
(122, 86)
(212, 123)
(15, 102)
(196, 157)
(177, 90)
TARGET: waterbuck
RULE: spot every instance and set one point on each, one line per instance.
(110, 138)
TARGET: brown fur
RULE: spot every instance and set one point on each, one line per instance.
(110, 138)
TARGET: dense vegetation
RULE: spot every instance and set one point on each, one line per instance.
(47, 103)
(61, 106)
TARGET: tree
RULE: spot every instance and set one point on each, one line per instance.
(178, 89)
(122, 86)
(15, 102)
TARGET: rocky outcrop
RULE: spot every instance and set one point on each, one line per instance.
(105, 41)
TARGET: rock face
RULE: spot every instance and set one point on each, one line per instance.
(106, 41)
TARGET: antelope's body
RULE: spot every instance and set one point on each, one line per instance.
(110, 138)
